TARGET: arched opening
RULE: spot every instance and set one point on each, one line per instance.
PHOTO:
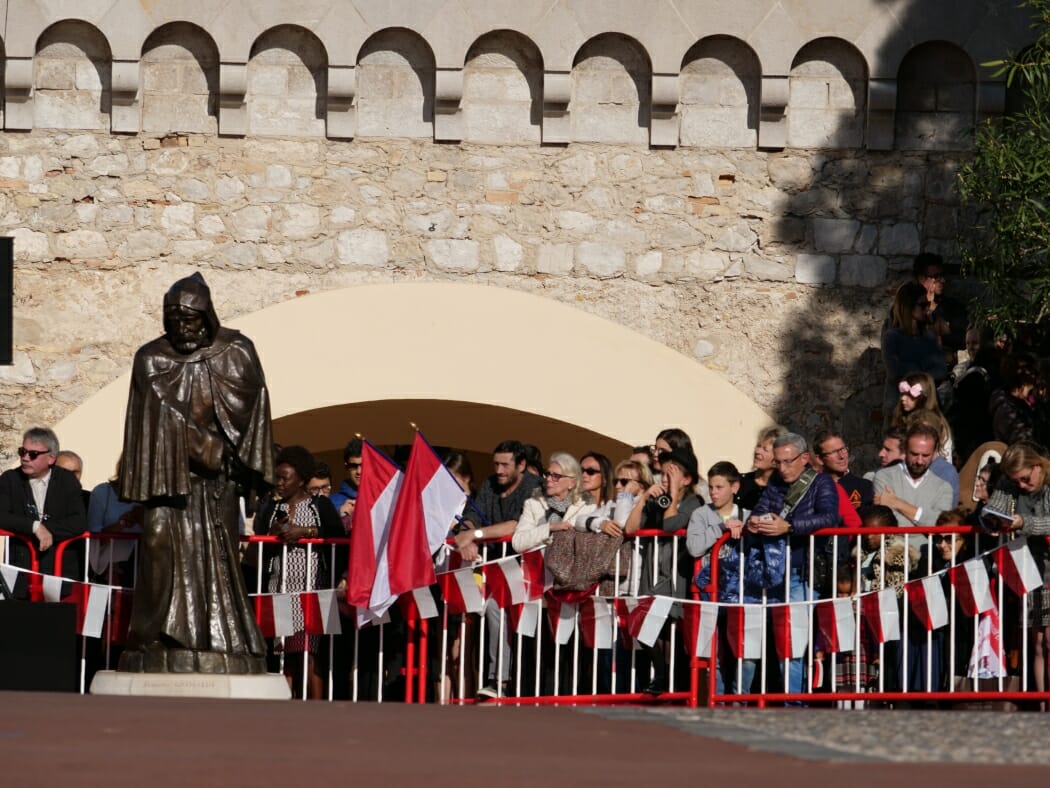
(410, 359)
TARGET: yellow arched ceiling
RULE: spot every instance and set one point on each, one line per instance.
(409, 341)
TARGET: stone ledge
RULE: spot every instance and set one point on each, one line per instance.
(271, 686)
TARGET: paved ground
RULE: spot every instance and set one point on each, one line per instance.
(70, 740)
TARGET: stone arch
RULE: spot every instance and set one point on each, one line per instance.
(720, 84)
(827, 96)
(72, 77)
(287, 83)
(503, 89)
(722, 420)
(611, 91)
(395, 85)
(936, 98)
(180, 80)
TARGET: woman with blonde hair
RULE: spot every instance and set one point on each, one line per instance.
(1023, 492)
(555, 506)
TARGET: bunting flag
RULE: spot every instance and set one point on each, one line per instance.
(988, 658)
(427, 504)
(52, 588)
(1017, 566)
(744, 630)
(419, 602)
(928, 602)
(972, 587)
(505, 582)
(274, 614)
(791, 630)
(707, 623)
(647, 618)
(538, 579)
(596, 622)
(10, 574)
(91, 601)
(321, 613)
(461, 592)
(562, 619)
(837, 624)
(369, 574)
(881, 615)
(525, 618)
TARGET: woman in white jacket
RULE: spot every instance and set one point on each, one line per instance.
(554, 508)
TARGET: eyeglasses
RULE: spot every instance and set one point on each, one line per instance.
(555, 477)
(785, 463)
(31, 453)
(323, 489)
(625, 482)
(832, 452)
(353, 466)
(939, 276)
(590, 471)
(1021, 479)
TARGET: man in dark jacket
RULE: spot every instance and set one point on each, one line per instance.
(41, 501)
(796, 502)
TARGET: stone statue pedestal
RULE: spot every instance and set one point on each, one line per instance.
(267, 686)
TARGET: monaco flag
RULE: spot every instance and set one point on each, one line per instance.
(972, 587)
(428, 502)
(1017, 566)
(744, 630)
(461, 592)
(596, 622)
(274, 614)
(881, 615)
(538, 578)
(791, 630)
(837, 624)
(321, 612)
(418, 603)
(928, 602)
(369, 586)
(707, 623)
(647, 618)
(562, 617)
(505, 582)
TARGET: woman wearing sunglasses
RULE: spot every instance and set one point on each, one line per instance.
(554, 507)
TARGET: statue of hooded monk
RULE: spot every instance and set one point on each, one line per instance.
(197, 436)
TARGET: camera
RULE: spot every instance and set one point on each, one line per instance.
(663, 501)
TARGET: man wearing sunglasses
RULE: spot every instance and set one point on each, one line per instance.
(39, 499)
(345, 498)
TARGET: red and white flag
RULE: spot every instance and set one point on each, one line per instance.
(10, 574)
(369, 584)
(91, 601)
(596, 622)
(791, 630)
(321, 612)
(274, 614)
(744, 630)
(461, 592)
(972, 587)
(881, 615)
(538, 578)
(52, 587)
(647, 618)
(525, 619)
(928, 602)
(428, 502)
(562, 617)
(837, 623)
(505, 582)
(706, 626)
(1017, 566)
(419, 602)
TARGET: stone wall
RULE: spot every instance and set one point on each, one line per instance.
(742, 182)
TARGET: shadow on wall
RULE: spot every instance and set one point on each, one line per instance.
(867, 188)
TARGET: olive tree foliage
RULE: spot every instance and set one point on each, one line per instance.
(1005, 192)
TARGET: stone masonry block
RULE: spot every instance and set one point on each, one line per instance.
(452, 255)
(815, 269)
(899, 239)
(602, 260)
(834, 235)
(363, 247)
(862, 270)
(554, 259)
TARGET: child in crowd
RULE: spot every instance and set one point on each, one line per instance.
(918, 394)
(706, 526)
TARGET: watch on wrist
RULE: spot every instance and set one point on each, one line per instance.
(478, 534)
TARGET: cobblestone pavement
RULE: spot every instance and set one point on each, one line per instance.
(879, 736)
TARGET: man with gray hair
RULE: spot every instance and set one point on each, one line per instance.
(797, 501)
(42, 502)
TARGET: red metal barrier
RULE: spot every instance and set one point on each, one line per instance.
(36, 588)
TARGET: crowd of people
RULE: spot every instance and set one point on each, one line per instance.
(960, 436)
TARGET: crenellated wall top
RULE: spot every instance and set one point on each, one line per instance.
(882, 30)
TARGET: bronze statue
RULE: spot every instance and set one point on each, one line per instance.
(197, 436)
